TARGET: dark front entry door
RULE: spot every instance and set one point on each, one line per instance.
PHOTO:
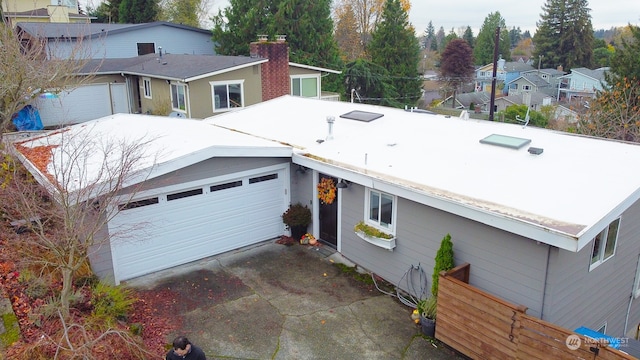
(329, 218)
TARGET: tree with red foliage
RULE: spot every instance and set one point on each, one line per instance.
(456, 65)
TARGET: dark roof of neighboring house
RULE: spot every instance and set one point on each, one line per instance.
(550, 71)
(536, 98)
(597, 74)
(466, 99)
(92, 30)
(42, 13)
(533, 79)
(184, 67)
(515, 66)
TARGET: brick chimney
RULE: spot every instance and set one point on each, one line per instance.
(275, 72)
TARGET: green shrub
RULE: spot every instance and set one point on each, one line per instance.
(444, 262)
(12, 330)
(111, 302)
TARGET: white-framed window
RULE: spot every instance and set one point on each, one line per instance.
(227, 95)
(306, 86)
(146, 87)
(178, 96)
(526, 87)
(380, 210)
(636, 284)
(604, 244)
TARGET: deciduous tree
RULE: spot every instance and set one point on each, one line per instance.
(187, 12)
(456, 65)
(565, 34)
(27, 74)
(402, 58)
(347, 34)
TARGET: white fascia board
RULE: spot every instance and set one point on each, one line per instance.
(315, 68)
(519, 227)
(151, 76)
(214, 73)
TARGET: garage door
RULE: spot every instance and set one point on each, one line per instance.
(88, 102)
(172, 228)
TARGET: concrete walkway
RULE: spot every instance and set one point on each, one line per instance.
(272, 301)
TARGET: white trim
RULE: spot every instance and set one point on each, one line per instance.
(213, 84)
(146, 87)
(303, 66)
(636, 285)
(394, 211)
(603, 245)
(224, 71)
(184, 86)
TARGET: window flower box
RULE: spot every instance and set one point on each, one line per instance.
(374, 236)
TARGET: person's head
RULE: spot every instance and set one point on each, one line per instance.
(181, 346)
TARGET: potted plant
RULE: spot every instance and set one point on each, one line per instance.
(427, 307)
(427, 310)
(374, 236)
(297, 218)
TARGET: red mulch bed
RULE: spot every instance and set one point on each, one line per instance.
(152, 311)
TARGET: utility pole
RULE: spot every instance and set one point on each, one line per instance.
(495, 73)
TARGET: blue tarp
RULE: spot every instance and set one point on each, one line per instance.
(27, 119)
(613, 342)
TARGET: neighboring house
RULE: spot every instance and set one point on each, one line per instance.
(529, 83)
(108, 41)
(534, 100)
(508, 195)
(581, 83)
(187, 86)
(465, 100)
(552, 76)
(506, 71)
(42, 11)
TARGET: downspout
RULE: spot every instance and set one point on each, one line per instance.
(544, 287)
(626, 319)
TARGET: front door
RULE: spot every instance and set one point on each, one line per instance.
(329, 216)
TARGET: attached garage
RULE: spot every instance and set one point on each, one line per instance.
(173, 227)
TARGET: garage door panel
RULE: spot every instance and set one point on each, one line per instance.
(194, 227)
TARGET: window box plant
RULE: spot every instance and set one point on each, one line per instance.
(375, 236)
(297, 218)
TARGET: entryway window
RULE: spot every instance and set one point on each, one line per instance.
(636, 284)
(380, 209)
(227, 95)
(604, 244)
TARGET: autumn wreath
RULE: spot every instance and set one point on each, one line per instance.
(326, 191)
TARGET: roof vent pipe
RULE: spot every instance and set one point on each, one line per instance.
(330, 121)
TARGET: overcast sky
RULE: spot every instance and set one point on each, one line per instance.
(524, 14)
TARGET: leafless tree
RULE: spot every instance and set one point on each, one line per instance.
(27, 71)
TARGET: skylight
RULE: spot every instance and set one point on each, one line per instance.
(510, 142)
(361, 115)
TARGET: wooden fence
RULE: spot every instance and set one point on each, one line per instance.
(482, 326)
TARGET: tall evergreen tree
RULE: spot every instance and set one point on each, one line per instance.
(307, 25)
(439, 43)
(485, 42)
(565, 34)
(394, 46)
(468, 37)
(138, 11)
(106, 12)
(429, 37)
(515, 35)
(369, 83)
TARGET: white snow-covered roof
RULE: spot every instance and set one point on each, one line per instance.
(563, 196)
(75, 156)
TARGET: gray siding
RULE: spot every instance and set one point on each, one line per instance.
(504, 264)
(209, 168)
(124, 45)
(579, 297)
(100, 256)
(301, 186)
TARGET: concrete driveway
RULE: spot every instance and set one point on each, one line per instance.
(272, 301)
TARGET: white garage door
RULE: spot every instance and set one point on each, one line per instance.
(88, 102)
(173, 228)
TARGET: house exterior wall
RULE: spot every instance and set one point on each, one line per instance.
(217, 166)
(504, 264)
(579, 297)
(581, 82)
(124, 45)
(516, 87)
(201, 94)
